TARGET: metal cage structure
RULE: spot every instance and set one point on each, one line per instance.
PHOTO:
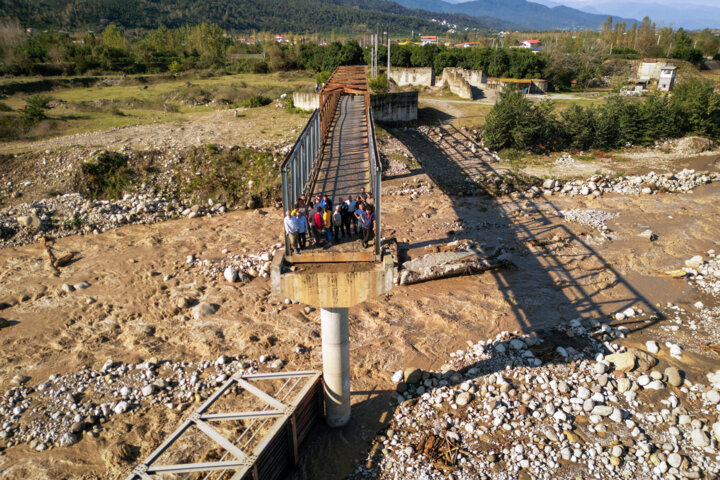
(285, 420)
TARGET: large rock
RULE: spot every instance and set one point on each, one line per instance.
(68, 439)
(694, 262)
(624, 362)
(412, 375)
(463, 399)
(231, 275)
(30, 221)
(699, 438)
(632, 359)
(674, 377)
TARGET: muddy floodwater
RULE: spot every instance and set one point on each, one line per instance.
(135, 296)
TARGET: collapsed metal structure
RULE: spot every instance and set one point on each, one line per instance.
(299, 170)
(269, 436)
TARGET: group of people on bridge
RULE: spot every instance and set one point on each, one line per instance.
(326, 223)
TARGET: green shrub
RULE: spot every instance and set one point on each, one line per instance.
(256, 101)
(35, 109)
(226, 175)
(74, 224)
(515, 122)
(379, 85)
(4, 107)
(290, 105)
(107, 177)
(322, 77)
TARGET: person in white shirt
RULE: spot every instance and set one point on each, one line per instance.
(291, 230)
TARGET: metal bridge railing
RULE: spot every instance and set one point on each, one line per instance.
(375, 175)
(299, 165)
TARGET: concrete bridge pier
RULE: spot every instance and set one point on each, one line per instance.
(336, 365)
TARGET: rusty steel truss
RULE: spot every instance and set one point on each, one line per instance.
(281, 425)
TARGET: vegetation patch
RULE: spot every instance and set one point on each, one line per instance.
(516, 123)
(234, 176)
(105, 178)
(256, 101)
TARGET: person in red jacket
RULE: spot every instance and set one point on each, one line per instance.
(319, 224)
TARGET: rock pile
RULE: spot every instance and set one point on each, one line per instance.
(560, 405)
(681, 182)
(237, 267)
(71, 214)
(412, 189)
(592, 218)
(59, 411)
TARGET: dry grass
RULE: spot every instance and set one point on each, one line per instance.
(153, 100)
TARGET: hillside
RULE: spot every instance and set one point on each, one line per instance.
(237, 15)
(680, 15)
(528, 15)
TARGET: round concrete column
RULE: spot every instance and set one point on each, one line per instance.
(336, 365)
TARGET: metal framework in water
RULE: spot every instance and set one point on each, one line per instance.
(284, 422)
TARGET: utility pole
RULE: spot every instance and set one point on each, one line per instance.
(377, 52)
(372, 55)
(388, 70)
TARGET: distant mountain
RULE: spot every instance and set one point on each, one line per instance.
(300, 16)
(686, 15)
(527, 15)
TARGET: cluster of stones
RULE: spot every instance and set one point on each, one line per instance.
(59, 411)
(590, 217)
(236, 267)
(684, 181)
(536, 406)
(413, 190)
(71, 214)
(700, 318)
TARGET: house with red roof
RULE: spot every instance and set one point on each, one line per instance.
(530, 44)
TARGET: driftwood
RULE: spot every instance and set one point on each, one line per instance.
(56, 263)
(469, 266)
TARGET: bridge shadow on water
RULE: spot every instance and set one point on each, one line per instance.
(557, 276)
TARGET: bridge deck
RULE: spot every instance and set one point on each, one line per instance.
(344, 170)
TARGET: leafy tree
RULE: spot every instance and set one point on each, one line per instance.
(35, 109)
(515, 122)
(697, 107)
(499, 63)
(379, 85)
(577, 125)
(423, 56)
(114, 38)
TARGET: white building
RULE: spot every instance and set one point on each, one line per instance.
(667, 78)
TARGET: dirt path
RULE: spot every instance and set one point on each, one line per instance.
(253, 127)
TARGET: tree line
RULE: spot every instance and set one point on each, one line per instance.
(585, 58)
(350, 16)
(516, 123)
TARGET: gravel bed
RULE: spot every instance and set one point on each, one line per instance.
(564, 404)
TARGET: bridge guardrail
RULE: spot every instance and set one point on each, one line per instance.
(375, 175)
(299, 165)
